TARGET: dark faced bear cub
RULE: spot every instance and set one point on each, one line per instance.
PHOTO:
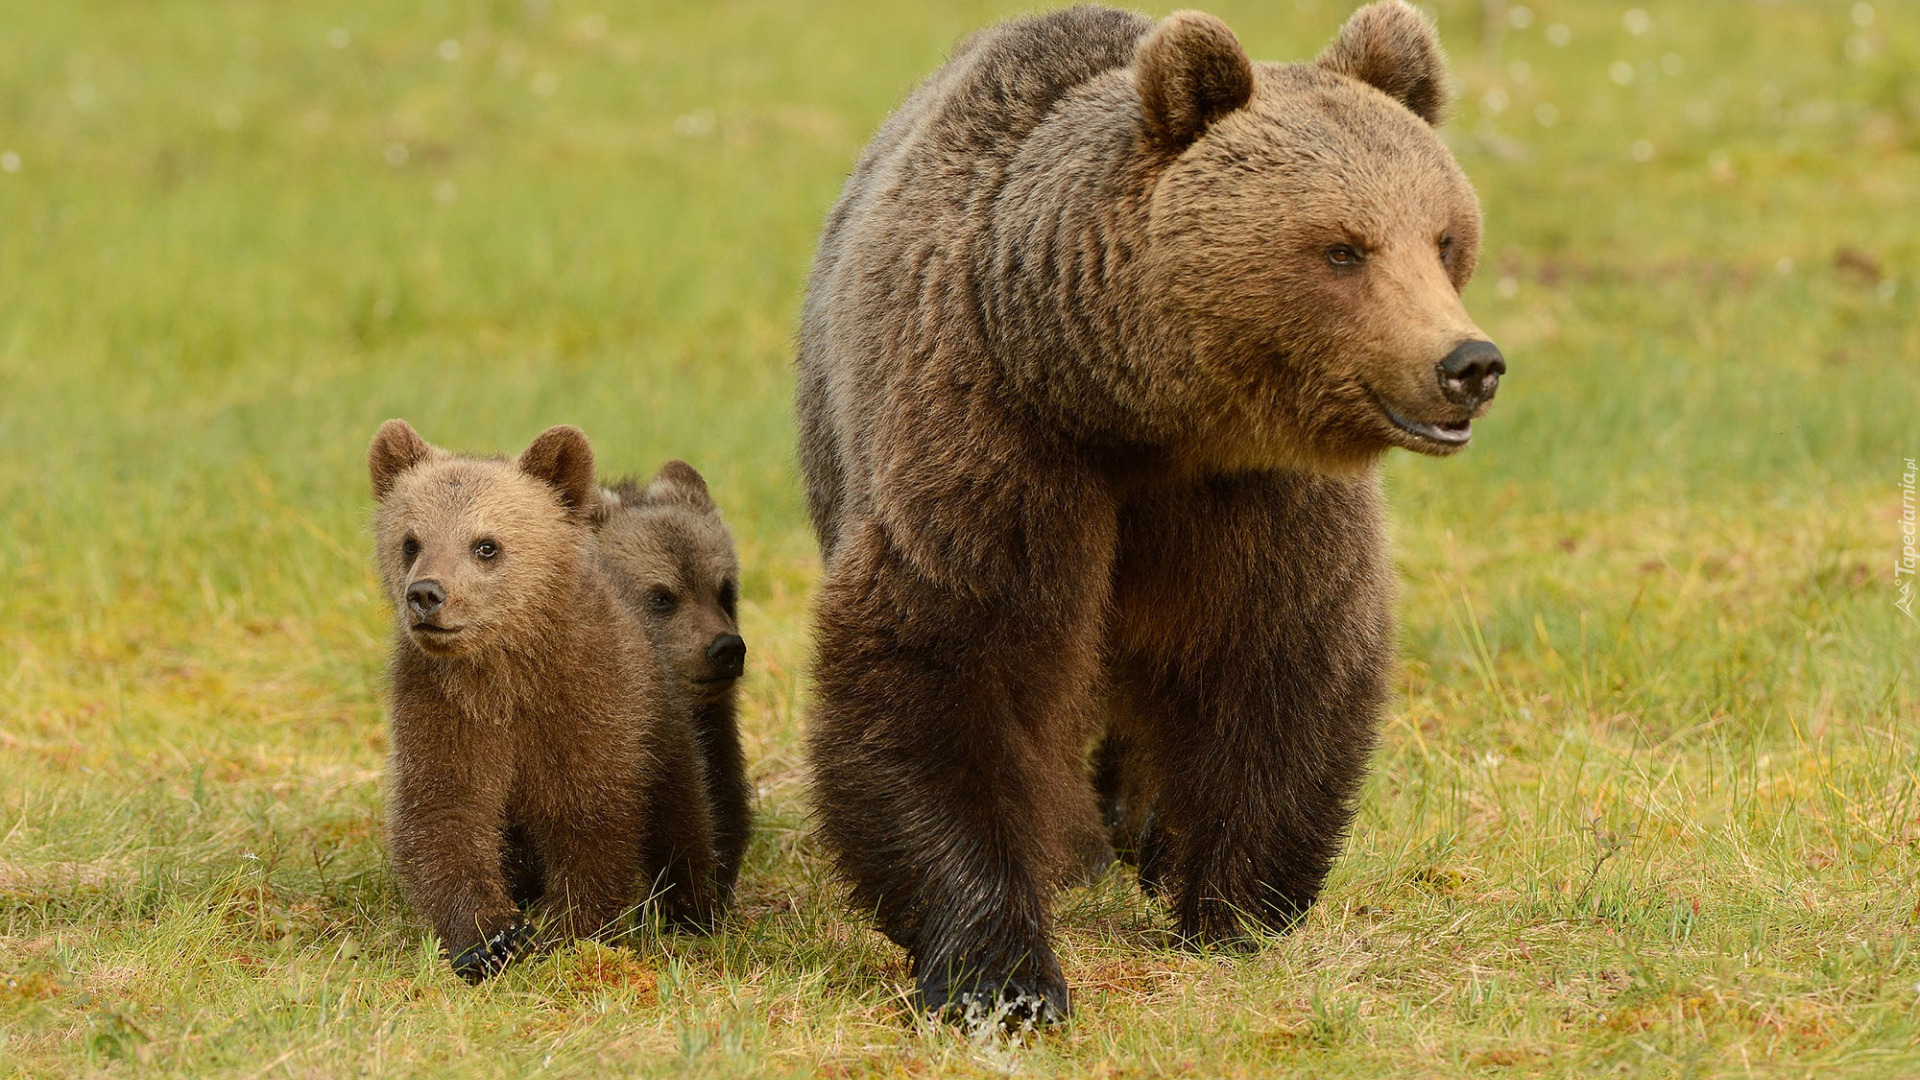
(1103, 345)
(671, 557)
(539, 766)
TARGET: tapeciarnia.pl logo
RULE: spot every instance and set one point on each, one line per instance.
(1903, 567)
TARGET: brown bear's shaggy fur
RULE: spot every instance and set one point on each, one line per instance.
(671, 557)
(536, 757)
(1103, 343)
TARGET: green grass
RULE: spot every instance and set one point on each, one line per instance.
(1648, 798)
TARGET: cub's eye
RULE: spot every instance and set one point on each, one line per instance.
(729, 599)
(409, 549)
(661, 601)
(1446, 249)
(486, 549)
(1345, 255)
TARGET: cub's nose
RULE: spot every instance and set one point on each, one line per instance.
(1470, 374)
(425, 597)
(728, 655)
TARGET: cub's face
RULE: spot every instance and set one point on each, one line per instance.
(691, 609)
(473, 554)
(1313, 240)
(672, 558)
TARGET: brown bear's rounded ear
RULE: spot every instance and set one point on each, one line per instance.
(678, 481)
(562, 459)
(1190, 71)
(396, 448)
(1393, 47)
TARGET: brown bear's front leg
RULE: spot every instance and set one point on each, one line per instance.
(729, 791)
(444, 824)
(678, 861)
(1254, 640)
(942, 746)
(591, 858)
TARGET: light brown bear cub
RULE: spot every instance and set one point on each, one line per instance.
(671, 557)
(538, 767)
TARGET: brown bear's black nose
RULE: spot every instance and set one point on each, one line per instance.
(425, 597)
(1471, 373)
(728, 653)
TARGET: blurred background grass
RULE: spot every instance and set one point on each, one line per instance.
(1647, 798)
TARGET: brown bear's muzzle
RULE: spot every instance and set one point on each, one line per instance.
(1470, 374)
(424, 599)
(426, 616)
(726, 658)
(1467, 379)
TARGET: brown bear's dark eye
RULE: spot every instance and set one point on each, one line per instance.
(409, 549)
(660, 601)
(729, 599)
(1446, 249)
(486, 549)
(1344, 255)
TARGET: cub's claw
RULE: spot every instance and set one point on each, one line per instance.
(491, 954)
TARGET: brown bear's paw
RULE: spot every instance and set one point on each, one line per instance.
(491, 954)
(1231, 937)
(691, 918)
(1147, 852)
(1015, 1002)
(1208, 922)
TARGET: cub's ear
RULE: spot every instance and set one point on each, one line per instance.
(1391, 46)
(563, 460)
(1190, 71)
(396, 448)
(678, 481)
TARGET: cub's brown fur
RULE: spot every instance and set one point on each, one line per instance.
(537, 759)
(1103, 343)
(671, 557)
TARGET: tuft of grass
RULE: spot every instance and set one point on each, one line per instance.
(1648, 796)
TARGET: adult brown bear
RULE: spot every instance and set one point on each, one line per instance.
(1105, 339)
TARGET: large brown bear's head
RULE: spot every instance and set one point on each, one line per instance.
(480, 555)
(1310, 235)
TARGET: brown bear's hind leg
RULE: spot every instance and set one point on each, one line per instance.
(1124, 785)
(520, 865)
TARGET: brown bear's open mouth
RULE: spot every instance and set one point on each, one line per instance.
(1451, 433)
(433, 632)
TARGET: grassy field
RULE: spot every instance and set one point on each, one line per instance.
(1648, 799)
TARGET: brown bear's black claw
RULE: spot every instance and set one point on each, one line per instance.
(1017, 1003)
(491, 954)
(1013, 1012)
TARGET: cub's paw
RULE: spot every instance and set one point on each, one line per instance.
(490, 955)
